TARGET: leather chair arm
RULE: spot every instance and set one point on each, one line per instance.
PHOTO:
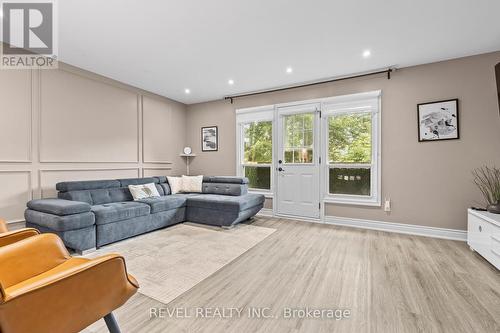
(69, 297)
(75, 268)
(34, 255)
(10, 237)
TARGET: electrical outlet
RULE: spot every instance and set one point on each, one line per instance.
(387, 205)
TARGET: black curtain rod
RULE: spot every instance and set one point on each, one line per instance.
(386, 71)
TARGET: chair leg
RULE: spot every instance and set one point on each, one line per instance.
(111, 323)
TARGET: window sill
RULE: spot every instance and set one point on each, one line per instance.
(268, 195)
(353, 201)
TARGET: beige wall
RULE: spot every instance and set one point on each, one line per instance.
(69, 124)
(429, 183)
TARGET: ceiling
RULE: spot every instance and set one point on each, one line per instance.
(166, 46)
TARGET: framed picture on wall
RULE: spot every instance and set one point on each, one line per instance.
(209, 138)
(438, 121)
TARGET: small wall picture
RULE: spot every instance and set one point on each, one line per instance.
(438, 121)
(209, 138)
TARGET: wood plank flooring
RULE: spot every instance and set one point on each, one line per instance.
(389, 282)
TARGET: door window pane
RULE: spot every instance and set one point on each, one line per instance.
(301, 155)
(298, 138)
(349, 181)
(350, 138)
(308, 138)
(288, 155)
(258, 142)
(259, 177)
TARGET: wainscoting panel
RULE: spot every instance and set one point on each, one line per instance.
(69, 124)
(14, 193)
(151, 172)
(84, 120)
(15, 116)
(157, 131)
(49, 178)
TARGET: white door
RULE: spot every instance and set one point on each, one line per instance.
(297, 162)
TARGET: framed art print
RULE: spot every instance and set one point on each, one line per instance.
(438, 121)
(209, 138)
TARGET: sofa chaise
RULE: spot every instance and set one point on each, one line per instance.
(90, 214)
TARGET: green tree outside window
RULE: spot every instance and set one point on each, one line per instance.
(258, 149)
(350, 138)
(258, 142)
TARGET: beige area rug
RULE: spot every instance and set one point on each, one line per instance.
(171, 261)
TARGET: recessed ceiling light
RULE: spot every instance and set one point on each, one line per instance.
(187, 91)
(367, 53)
(230, 82)
(289, 70)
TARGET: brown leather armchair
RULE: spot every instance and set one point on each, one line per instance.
(45, 290)
(8, 237)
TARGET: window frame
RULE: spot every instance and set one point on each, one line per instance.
(351, 104)
(248, 116)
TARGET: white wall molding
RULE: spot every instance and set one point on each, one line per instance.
(18, 217)
(401, 228)
(41, 170)
(159, 169)
(29, 116)
(41, 131)
(143, 140)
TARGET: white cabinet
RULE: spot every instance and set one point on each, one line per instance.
(483, 235)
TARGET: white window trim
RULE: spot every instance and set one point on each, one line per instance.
(357, 103)
(250, 115)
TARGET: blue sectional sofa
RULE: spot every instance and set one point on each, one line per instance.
(90, 214)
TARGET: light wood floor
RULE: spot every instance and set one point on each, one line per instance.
(390, 283)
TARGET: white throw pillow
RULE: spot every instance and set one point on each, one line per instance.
(144, 191)
(192, 184)
(175, 184)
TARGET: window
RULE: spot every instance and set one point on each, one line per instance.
(352, 168)
(254, 136)
(343, 153)
(298, 145)
(349, 153)
(258, 153)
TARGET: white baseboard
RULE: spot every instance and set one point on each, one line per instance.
(410, 229)
(299, 218)
(266, 212)
(15, 221)
(15, 225)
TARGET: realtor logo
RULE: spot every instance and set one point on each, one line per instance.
(28, 33)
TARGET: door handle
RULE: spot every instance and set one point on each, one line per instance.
(281, 169)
